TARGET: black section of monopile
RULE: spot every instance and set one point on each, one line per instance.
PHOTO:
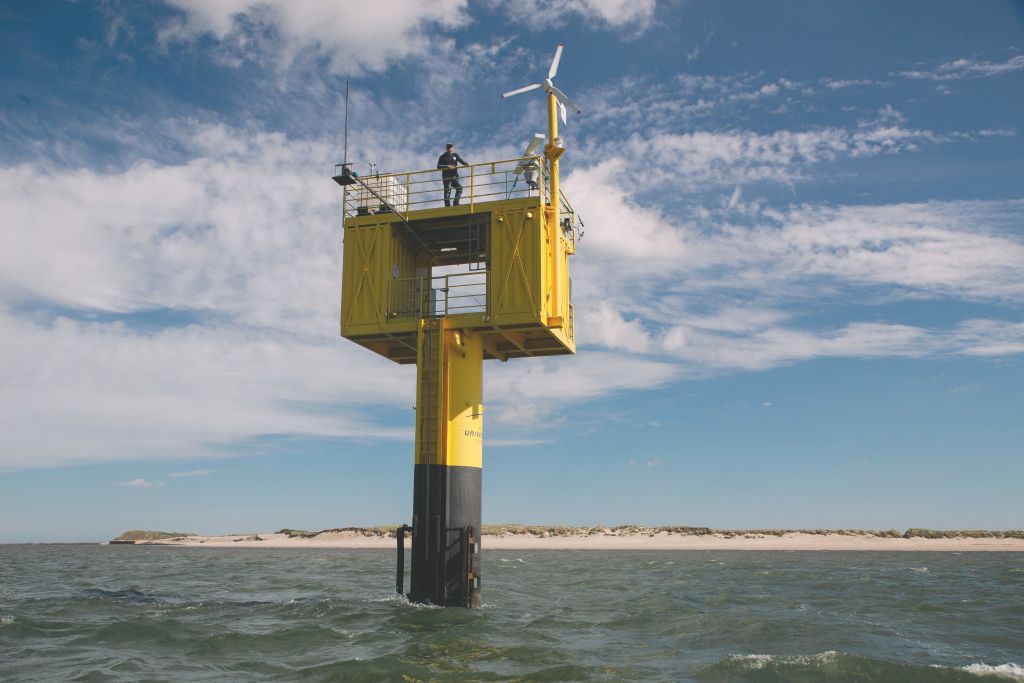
(446, 536)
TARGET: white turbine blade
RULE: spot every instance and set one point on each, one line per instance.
(566, 99)
(521, 90)
(561, 110)
(534, 144)
(554, 62)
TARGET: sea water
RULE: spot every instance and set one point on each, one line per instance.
(98, 613)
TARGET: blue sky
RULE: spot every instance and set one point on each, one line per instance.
(799, 295)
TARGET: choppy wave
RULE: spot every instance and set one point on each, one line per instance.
(1010, 671)
(835, 667)
(397, 600)
(117, 613)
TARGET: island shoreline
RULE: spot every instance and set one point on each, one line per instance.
(631, 538)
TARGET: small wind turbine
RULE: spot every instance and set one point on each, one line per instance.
(550, 88)
(557, 100)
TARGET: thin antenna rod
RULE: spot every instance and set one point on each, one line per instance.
(344, 159)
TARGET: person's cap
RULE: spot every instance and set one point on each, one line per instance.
(449, 146)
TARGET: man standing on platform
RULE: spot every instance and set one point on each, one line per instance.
(449, 163)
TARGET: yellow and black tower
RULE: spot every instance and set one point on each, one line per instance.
(447, 287)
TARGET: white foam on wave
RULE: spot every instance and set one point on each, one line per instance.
(1010, 671)
(919, 570)
(752, 661)
(402, 601)
(516, 559)
(6, 619)
(757, 661)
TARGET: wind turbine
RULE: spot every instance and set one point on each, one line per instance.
(549, 87)
(557, 101)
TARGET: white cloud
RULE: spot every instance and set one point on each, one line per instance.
(644, 239)
(967, 68)
(643, 105)
(243, 243)
(249, 229)
(525, 392)
(606, 327)
(620, 14)
(364, 35)
(839, 84)
(964, 249)
(139, 484)
(776, 346)
(79, 392)
(232, 258)
(997, 133)
(692, 160)
(667, 165)
(191, 473)
(723, 295)
(887, 114)
(614, 220)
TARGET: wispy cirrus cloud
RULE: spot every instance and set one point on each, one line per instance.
(966, 68)
(841, 83)
(205, 472)
(632, 104)
(780, 345)
(139, 484)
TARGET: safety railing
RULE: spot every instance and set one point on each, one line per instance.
(417, 190)
(491, 181)
(437, 297)
(572, 224)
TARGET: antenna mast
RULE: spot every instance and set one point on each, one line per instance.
(344, 158)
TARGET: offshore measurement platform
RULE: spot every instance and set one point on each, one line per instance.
(448, 287)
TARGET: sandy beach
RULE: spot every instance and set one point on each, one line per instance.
(633, 540)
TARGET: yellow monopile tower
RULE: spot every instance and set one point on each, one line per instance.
(447, 287)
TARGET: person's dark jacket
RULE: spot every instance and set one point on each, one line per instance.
(448, 159)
